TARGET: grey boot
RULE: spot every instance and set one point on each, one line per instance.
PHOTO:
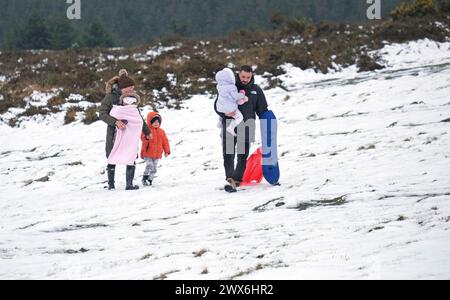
(130, 177)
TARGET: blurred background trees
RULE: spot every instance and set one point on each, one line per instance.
(28, 24)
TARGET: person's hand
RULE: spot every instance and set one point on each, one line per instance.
(120, 125)
(242, 92)
(242, 101)
(148, 137)
(231, 114)
(166, 154)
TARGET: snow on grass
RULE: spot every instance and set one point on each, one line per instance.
(78, 101)
(295, 40)
(422, 52)
(39, 99)
(364, 195)
(295, 76)
(159, 50)
(35, 100)
(74, 98)
(156, 51)
(172, 79)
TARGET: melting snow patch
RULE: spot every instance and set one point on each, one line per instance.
(160, 50)
(116, 48)
(10, 114)
(261, 81)
(230, 51)
(396, 56)
(231, 65)
(292, 41)
(441, 25)
(416, 53)
(75, 98)
(39, 99)
(172, 79)
(295, 76)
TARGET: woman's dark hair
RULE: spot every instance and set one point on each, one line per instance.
(247, 69)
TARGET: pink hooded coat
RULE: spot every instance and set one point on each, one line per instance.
(126, 142)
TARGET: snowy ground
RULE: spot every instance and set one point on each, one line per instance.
(365, 188)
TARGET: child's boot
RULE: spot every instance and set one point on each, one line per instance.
(146, 180)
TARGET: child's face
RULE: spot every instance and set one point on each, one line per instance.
(129, 101)
(155, 124)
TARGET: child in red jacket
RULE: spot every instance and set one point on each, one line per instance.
(153, 148)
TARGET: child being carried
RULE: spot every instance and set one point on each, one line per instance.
(229, 98)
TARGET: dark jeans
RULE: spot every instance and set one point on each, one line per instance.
(241, 148)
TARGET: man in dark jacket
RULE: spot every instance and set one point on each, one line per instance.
(115, 87)
(256, 105)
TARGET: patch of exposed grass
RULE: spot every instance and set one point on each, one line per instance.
(146, 256)
(257, 268)
(35, 110)
(317, 203)
(71, 114)
(376, 228)
(199, 253)
(401, 218)
(204, 271)
(164, 276)
(90, 115)
(368, 63)
(56, 101)
(263, 207)
(368, 147)
(42, 179)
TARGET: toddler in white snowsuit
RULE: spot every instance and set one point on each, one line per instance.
(229, 98)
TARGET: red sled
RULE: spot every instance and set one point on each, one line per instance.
(253, 171)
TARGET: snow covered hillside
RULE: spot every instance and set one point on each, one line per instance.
(365, 162)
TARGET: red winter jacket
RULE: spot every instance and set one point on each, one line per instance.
(158, 142)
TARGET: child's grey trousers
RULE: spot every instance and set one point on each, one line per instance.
(151, 167)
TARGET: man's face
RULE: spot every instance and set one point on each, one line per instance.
(128, 90)
(245, 77)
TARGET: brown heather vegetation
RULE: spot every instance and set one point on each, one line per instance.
(194, 62)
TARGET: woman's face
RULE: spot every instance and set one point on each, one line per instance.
(128, 90)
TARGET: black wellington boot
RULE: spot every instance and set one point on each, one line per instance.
(130, 177)
(111, 169)
(146, 180)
